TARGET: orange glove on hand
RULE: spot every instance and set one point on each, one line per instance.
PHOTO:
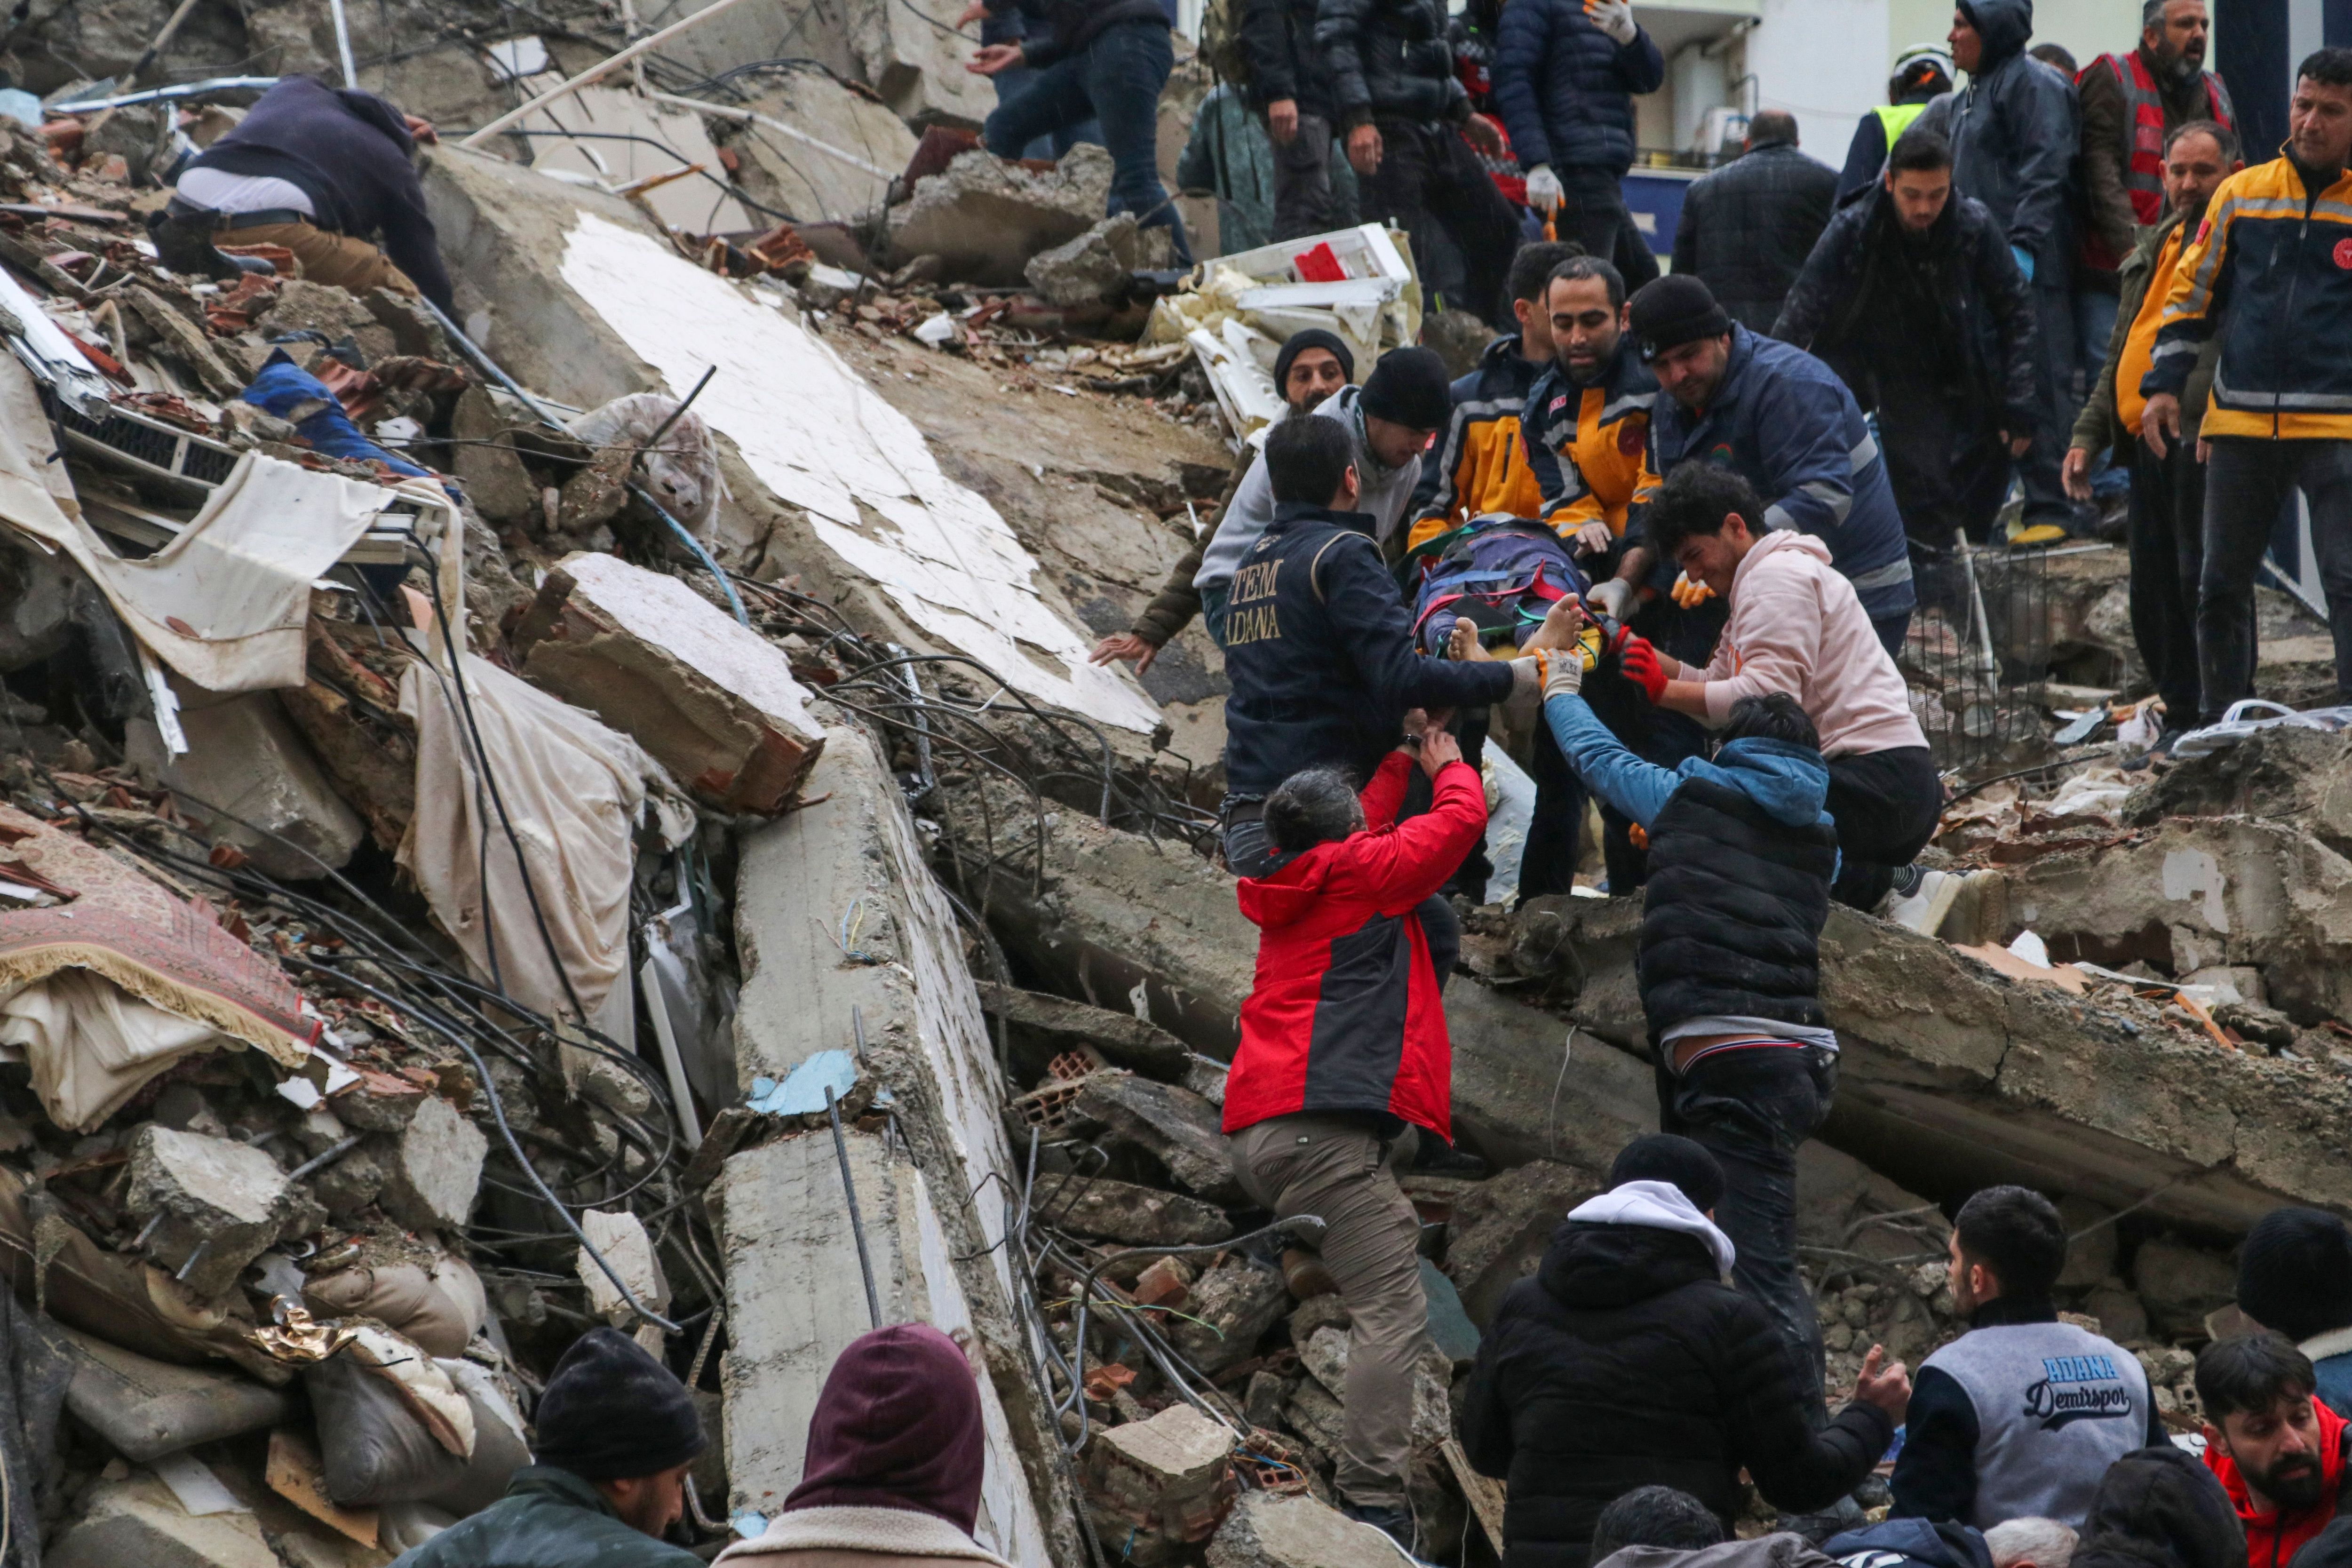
(1687, 592)
(1639, 660)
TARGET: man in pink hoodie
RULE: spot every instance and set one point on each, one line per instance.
(1796, 627)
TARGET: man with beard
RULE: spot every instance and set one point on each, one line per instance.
(1913, 298)
(2279, 1451)
(2132, 106)
(2167, 491)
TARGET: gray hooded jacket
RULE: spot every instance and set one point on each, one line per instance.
(2014, 131)
(1385, 494)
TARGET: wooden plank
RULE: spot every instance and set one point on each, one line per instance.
(296, 1475)
(1485, 1494)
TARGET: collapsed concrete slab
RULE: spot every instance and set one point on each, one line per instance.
(208, 1207)
(715, 703)
(579, 299)
(249, 777)
(138, 1520)
(812, 182)
(985, 218)
(1094, 267)
(896, 991)
(1952, 1076)
(433, 1171)
(911, 53)
(795, 1297)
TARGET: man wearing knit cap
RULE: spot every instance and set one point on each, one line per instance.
(2294, 1275)
(616, 1434)
(1785, 423)
(896, 1452)
(1390, 420)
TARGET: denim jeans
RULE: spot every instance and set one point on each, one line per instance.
(1009, 85)
(1115, 79)
(2246, 484)
(1751, 1110)
(1250, 852)
(2094, 323)
(2037, 471)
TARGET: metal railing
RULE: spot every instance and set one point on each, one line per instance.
(1977, 654)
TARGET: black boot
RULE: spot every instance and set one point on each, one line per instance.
(185, 247)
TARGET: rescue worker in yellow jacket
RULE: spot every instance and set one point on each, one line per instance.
(2166, 518)
(2270, 269)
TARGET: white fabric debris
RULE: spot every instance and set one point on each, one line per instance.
(92, 1046)
(814, 433)
(573, 790)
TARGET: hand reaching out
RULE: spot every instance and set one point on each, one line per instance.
(1125, 645)
(1438, 747)
(1889, 1389)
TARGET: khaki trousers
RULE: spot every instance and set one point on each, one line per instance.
(325, 257)
(1337, 1168)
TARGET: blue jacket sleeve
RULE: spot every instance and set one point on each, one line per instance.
(1641, 69)
(1361, 598)
(1808, 478)
(1865, 156)
(1524, 39)
(1936, 1474)
(2042, 127)
(1637, 788)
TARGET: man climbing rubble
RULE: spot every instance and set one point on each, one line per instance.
(2022, 1414)
(2278, 1450)
(617, 1434)
(1626, 1362)
(1343, 1045)
(1741, 857)
(1311, 366)
(318, 169)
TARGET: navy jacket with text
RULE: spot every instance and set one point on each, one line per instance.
(1319, 651)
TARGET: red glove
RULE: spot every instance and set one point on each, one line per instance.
(1639, 660)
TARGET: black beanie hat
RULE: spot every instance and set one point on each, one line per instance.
(2294, 1273)
(611, 1412)
(1677, 1162)
(1298, 344)
(1673, 311)
(1408, 387)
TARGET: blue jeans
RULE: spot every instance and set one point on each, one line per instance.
(1009, 84)
(1116, 80)
(2094, 322)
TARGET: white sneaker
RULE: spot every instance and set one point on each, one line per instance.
(1924, 907)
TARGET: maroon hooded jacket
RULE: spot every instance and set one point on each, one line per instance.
(1345, 1015)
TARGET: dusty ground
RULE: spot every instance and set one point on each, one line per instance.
(1094, 484)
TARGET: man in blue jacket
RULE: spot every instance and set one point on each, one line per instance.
(1565, 73)
(2014, 130)
(1785, 423)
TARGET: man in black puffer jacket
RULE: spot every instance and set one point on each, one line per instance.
(1913, 298)
(1626, 1362)
(1565, 75)
(1404, 114)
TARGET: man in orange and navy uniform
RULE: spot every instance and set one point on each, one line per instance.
(2167, 491)
(2270, 269)
(1586, 429)
(1481, 465)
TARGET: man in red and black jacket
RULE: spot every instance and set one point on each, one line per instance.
(1343, 1045)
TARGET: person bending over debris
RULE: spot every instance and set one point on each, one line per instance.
(1343, 1045)
(318, 169)
(2159, 1507)
(895, 1449)
(1741, 857)
(1627, 1361)
(1105, 61)
(2278, 1451)
(1312, 365)
(1657, 1517)
(1797, 627)
(2294, 1275)
(1782, 1549)
(617, 1433)
(1389, 421)
(2020, 1415)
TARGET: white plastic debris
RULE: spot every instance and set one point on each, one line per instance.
(937, 332)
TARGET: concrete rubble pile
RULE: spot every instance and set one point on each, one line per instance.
(891, 978)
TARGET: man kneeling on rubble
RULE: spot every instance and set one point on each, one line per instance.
(1741, 858)
(1343, 1045)
(617, 1434)
(323, 171)
(1627, 1361)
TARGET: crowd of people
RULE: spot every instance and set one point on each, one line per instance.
(1717, 487)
